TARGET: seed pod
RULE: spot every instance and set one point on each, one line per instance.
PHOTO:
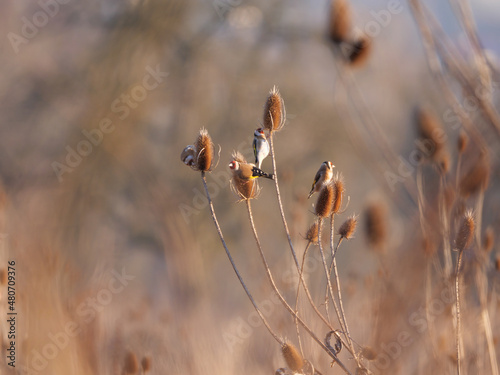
(204, 151)
(489, 239)
(360, 51)
(476, 178)
(376, 224)
(466, 232)
(431, 135)
(274, 111)
(312, 233)
(325, 201)
(338, 185)
(369, 353)
(130, 365)
(146, 364)
(348, 227)
(462, 142)
(293, 359)
(340, 21)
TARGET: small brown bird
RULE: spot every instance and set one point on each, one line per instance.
(323, 176)
(248, 171)
(188, 155)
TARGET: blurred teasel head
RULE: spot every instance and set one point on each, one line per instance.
(432, 138)
(476, 178)
(340, 21)
(292, 357)
(376, 225)
(359, 51)
(466, 232)
(274, 111)
(312, 233)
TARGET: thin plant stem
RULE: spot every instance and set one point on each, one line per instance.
(297, 295)
(278, 195)
(278, 293)
(458, 328)
(228, 253)
(337, 280)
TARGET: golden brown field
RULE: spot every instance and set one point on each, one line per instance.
(110, 262)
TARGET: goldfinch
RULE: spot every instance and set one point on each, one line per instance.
(260, 147)
(188, 155)
(247, 171)
(323, 176)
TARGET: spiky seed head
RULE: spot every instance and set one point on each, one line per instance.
(476, 178)
(292, 357)
(376, 224)
(489, 239)
(360, 51)
(204, 151)
(462, 142)
(131, 366)
(340, 21)
(466, 232)
(369, 353)
(442, 160)
(312, 233)
(237, 156)
(325, 201)
(348, 227)
(431, 135)
(274, 111)
(338, 190)
(146, 363)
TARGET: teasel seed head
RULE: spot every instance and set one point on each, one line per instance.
(489, 239)
(462, 142)
(430, 130)
(274, 111)
(466, 232)
(369, 353)
(292, 356)
(360, 51)
(204, 151)
(338, 190)
(312, 233)
(245, 189)
(340, 21)
(348, 227)
(131, 365)
(146, 363)
(476, 178)
(376, 224)
(325, 201)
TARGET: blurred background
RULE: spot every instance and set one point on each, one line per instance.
(110, 230)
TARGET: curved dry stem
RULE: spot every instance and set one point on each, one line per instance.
(281, 298)
(337, 280)
(297, 296)
(278, 195)
(328, 282)
(458, 328)
(219, 231)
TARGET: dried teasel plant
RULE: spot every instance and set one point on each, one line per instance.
(312, 233)
(292, 357)
(348, 227)
(476, 179)
(146, 364)
(340, 21)
(205, 151)
(274, 111)
(130, 363)
(375, 225)
(339, 189)
(432, 139)
(324, 203)
(358, 51)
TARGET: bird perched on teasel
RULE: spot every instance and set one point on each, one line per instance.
(323, 176)
(260, 147)
(248, 171)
